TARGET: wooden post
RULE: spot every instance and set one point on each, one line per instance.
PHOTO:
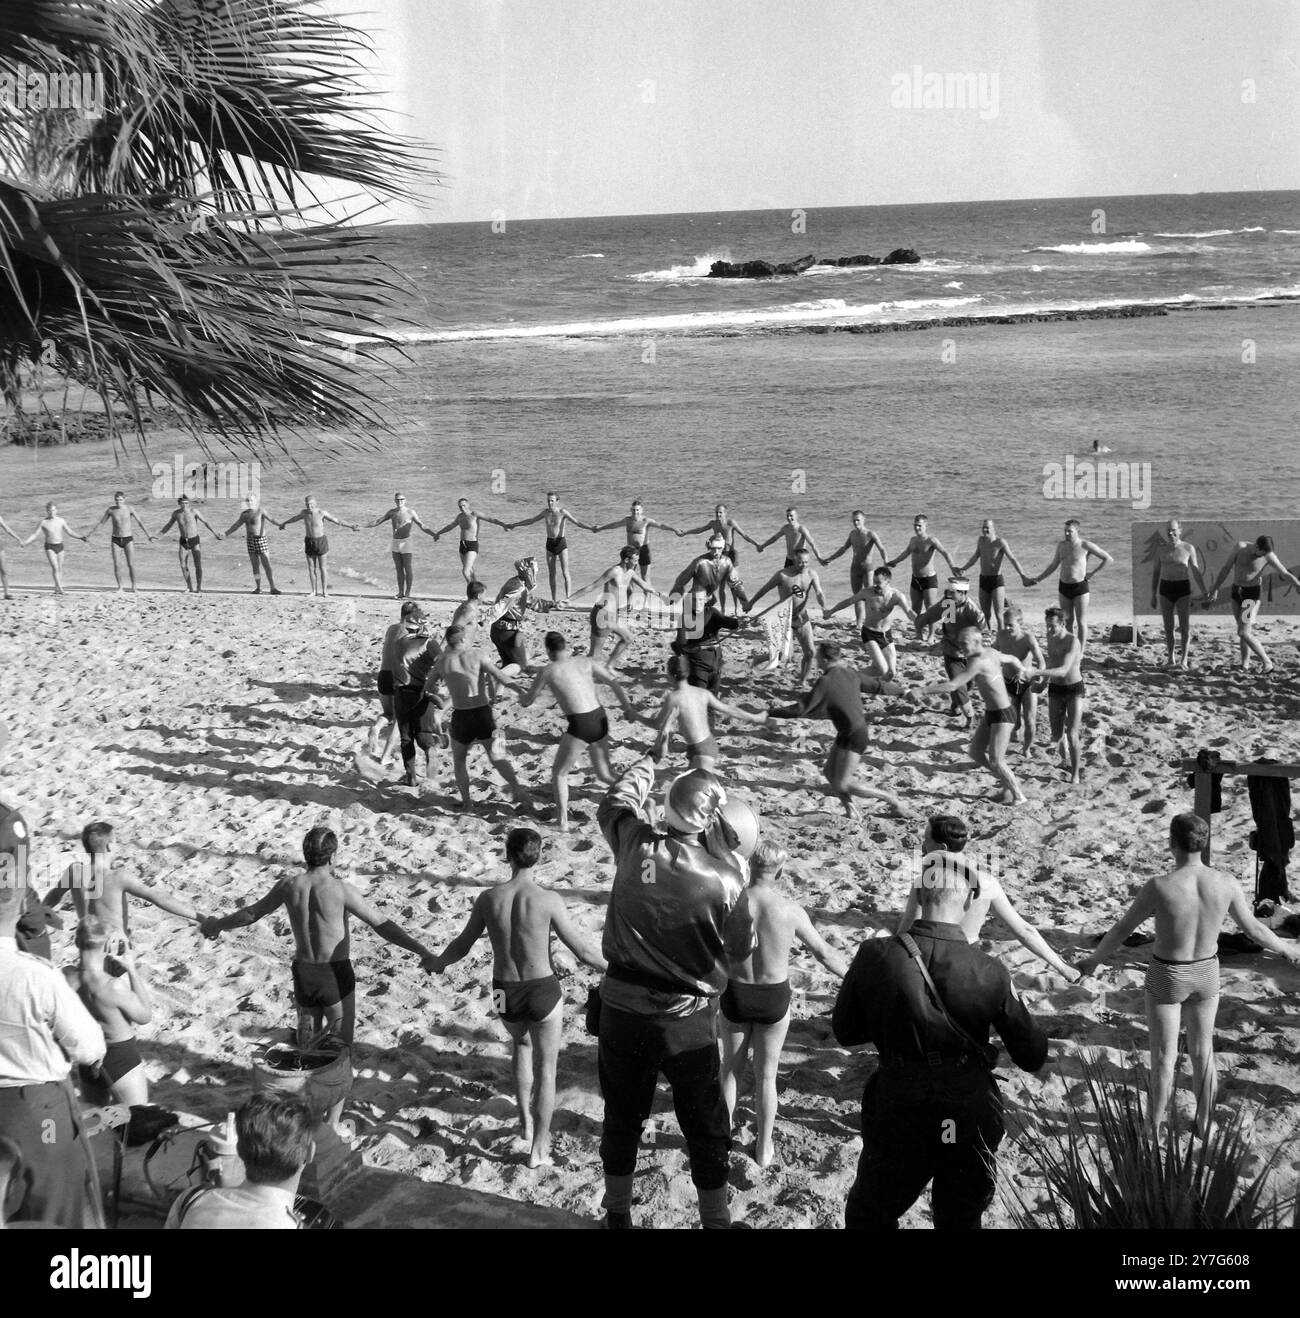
(1204, 782)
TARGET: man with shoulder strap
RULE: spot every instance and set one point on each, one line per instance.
(931, 1112)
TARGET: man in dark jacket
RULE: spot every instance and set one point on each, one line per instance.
(954, 612)
(931, 1111)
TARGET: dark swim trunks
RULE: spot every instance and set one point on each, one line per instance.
(731, 553)
(1072, 589)
(1241, 594)
(1175, 590)
(322, 983)
(526, 1000)
(989, 584)
(121, 541)
(992, 716)
(191, 543)
(709, 746)
(1059, 693)
(54, 549)
(468, 547)
(882, 639)
(316, 546)
(643, 556)
(471, 725)
(923, 584)
(1017, 686)
(857, 576)
(854, 739)
(121, 1058)
(386, 689)
(755, 1004)
(590, 727)
(556, 544)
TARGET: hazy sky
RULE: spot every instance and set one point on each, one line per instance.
(542, 108)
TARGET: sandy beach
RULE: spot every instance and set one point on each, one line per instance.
(214, 731)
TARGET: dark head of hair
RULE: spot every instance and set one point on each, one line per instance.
(1074, 522)
(474, 590)
(97, 837)
(91, 932)
(1264, 544)
(1189, 833)
(1054, 614)
(949, 832)
(883, 572)
(455, 635)
(182, 499)
(119, 494)
(679, 667)
(523, 847)
(274, 1137)
(830, 651)
(556, 643)
(628, 553)
(319, 846)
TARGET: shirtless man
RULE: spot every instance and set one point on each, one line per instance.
(988, 747)
(1177, 561)
(1248, 562)
(1182, 987)
(316, 545)
(121, 515)
(255, 520)
(990, 550)
(1071, 557)
(942, 863)
(837, 695)
(4, 575)
(874, 605)
(724, 525)
(755, 1006)
(471, 613)
(797, 537)
(1014, 639)
(691, 709)
(53, 528)
(319, 904)
(572, 680)
(924, 590)
(118, 997)
(708, 576)
(187, 519)
(861, 541)
(467, 521)
(402, 520)
(408, 625)
(1065, 691)
(798, 584)
(468, 677)
(610, 616)
(637, 527)
(557, 543)
(519, 917)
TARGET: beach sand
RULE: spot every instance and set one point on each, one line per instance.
(214, 731)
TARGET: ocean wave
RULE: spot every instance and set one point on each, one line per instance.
(1128, 246)
(698, 269)
(587, 256)
(1213, 233)
(1286, 230)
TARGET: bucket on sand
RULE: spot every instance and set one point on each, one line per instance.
(320, 1075)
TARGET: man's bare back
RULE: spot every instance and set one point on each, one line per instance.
(1190, 903)
(518, 916)
(572, 680)
(316, 902)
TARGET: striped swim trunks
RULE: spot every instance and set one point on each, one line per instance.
(1170, 983)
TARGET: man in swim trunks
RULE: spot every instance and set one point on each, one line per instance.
(513, 601)
(121, 515)
(557, 544)
(319, 905)
(798, 584)
(402, 520)
(837, 695)
(990, 550)
(1182, 989)
(316, 546)
(385, 683)
(724, 525)
(610, 616)
(187, 519)
(4, 575)
(572, 680)
(1176, 562)
(924, 590)
(873, 605)
(1065, 692)
(469, 678)
(1248, 563)
(472, 613)
(1014, 639)
(988, 747)
(637, 527)
(1072, 556)
(954, 612)
(861, 541)
(691, 709)
(467, 520)
(707, 577)
(54, 528)
(519, 916)
(255, 520)
(118, 997)
(797, 537)
(755, 1006)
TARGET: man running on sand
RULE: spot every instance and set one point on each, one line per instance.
(1065, 691)
(319, 905)
(988, 747)
(797, 584)
(468, 677)
(1177, 562)
(691, 709)
(797, 537)
(121, 515)
(922, 548)
(418, 710)
(1182, 988)
(1071, 557)
(316, 545)
(572, 680)
(874, 605)
(4, 575)
(53, 528)
(519, 917)
(861, 541)
(255, 520)
(467, 521)
(402, 519)
(557, 544)
(187, 519)
(610, 616)
(637, 527)
(408, 625)
(1247, 563)
(755, 1006)
(990, 550)
(1014, 639)
(837, 695)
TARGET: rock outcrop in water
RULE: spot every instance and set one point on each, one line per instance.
(769, 270)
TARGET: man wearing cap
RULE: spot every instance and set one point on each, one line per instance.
(710, 574)
(513, 601)
(417, 713)
(664, 941)
(954, 612)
